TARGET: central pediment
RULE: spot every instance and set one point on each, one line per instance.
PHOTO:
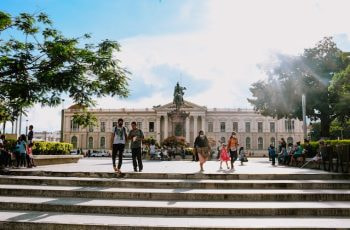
(186, 106)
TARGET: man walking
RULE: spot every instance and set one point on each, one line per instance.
(136, 137)
(30, 134)
(232, 147)
(119, 141)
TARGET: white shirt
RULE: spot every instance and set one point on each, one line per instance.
(119, 135)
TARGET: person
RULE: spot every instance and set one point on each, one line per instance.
(232, 148)
(298, 153)
(30, 134)
(21, 151)
(152, 150)
(29, 156)
(272, 154)
(242, 156)
(136, 136)
(224, 157)
(308, 148)
(119, 140)
(201, 145)
(183, 153)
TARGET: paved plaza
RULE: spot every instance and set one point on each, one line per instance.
(253, 166)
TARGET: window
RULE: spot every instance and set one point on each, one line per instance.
(272, 127)
(139, 125)
(260, 127)
(74, 142)
(151, 127)
(235, 126)
(103, 126)
(260, 143)
(273, 141)
(247, 143)
(210, 127)
(74, 126)
(127, 125)
(222, 127)
(103, 143)
(115, 124)
(247, 127)
(289, 140)
(91, 128)
(289, 125)
(91, 142)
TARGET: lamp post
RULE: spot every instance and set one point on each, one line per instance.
(62, 120)
(303, 104)
(26, 127)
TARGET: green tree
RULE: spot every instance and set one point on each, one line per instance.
(309, 73)
(38, 64)
(340, 91)
(337, 130)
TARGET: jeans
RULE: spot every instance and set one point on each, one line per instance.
(118, 149)
(136, 154)
(233, 155)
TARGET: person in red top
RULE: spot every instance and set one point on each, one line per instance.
(232, 146)
(29, 156)
(224, 156)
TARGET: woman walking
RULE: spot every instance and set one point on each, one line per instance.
(201, 145)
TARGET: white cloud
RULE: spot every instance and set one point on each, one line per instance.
(233, 38)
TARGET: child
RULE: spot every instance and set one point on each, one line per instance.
(224, 156)
(242, 155)
(30, 159)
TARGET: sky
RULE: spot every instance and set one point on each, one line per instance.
(212, 47)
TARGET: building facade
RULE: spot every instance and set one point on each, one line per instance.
(254, 131)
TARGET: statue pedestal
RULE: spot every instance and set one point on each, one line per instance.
(178, 119)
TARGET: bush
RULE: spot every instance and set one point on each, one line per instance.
(315, 144)
(44, 148)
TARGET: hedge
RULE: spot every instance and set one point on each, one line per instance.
(44, 148)
(315, 144)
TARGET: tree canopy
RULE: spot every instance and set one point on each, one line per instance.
(38, 64)
(310, 73)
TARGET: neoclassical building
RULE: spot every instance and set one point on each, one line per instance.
(254, 131)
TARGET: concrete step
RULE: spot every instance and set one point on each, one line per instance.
(317, 175)
(175, 183)
(57, 221)
(176, 194)
(175, 208)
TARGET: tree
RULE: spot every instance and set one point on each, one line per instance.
(337, 130)
(39, 65)
(309, 73)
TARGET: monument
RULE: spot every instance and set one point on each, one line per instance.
(178, 116)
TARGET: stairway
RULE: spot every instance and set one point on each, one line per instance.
(83, 200)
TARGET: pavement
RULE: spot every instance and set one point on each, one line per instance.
(253, 166)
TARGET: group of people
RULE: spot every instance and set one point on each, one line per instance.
(22, 153)
(290, 154)
(120, 137)
(227, 152)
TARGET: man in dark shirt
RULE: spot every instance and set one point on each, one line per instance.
(30, 134)
(201, 144)
(136, 137)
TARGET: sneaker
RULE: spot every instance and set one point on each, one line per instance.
(140, 170)
(220, 167)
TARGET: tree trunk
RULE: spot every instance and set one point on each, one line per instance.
(325, 126)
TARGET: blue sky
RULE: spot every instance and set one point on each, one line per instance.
(212, 47)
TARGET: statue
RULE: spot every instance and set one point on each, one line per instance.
(178, 96)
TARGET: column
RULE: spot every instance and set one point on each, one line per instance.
(166, 132)
(158, 129)
(195, 132)
(187, 129)
(203, 123)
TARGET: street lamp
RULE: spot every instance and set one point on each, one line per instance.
(303, 104)
(26, 127)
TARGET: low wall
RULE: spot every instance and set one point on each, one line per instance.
(56, 159)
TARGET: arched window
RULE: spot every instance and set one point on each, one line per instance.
(247, 143)
(103, 143)
(289, 140)
(260, 143)
(273, 141)
(74, 142)
(91, 142)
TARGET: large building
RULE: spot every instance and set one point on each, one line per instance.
(255, 132)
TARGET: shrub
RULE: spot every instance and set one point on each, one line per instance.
(315, 144)
(44, 148)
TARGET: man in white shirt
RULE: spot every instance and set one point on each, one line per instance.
(119, 141)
